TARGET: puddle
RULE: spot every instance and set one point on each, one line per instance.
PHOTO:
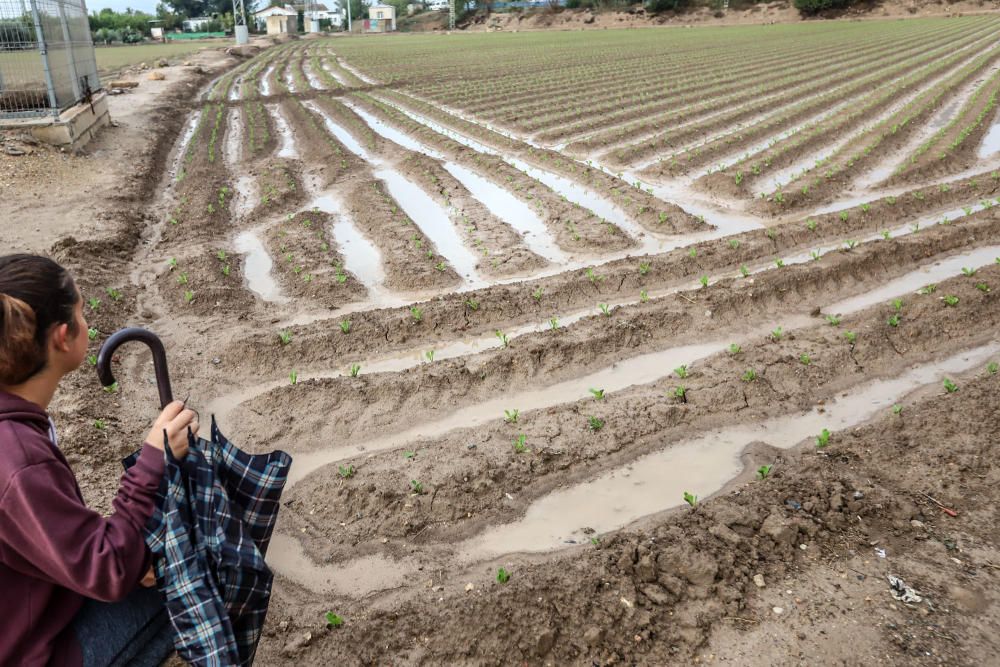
(245, 200)
(353, 578)
(234, 90)
(511, 210)
(991, 142)
(234, 138)
(638, 370)
(361, 257)
(314, 81)
(391, 133)
(700, 466)
(342, 135)
(433, 221)
(265, 81)
(570, 190)
(335, 74)
(913, 281)
(283, 130)
(182, 144)
(257, 267)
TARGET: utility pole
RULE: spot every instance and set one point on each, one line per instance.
(240, 29)
(451, 15)
(348, 16)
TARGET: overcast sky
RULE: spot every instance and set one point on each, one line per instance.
(148, 6)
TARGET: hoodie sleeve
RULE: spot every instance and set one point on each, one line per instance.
(59, 539)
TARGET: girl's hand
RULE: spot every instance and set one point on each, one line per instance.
(175, 420)
(149, 580)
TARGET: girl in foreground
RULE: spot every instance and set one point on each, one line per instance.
(76, 585)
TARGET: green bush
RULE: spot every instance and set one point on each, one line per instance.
(656, 6)
(811, 7)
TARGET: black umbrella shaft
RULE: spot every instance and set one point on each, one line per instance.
(117, 339)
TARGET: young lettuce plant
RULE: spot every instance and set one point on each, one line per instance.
(749, 375)
(764, 471)
(294, 377)
(520, 444)
(805, 359)
(950, 300)
(355, 369)
(690, 499)
(681, 371)
(345, 326)
(950, 386)
(346, 472)
(598, 394)
(823, 439)
(333, 621)
(503, 576)
(595, 424)
(510, 416)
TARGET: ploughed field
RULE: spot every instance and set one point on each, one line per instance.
(572, 335)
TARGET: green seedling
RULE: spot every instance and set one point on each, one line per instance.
(643, 268)
(114, 294)
(950, 386)
(690, 499)
(897, 409)
(692, 253)
(100, 424)
(703, 280)
(734, 243)
(333, 621)
(440, 266)
(850, 243)
(833, 320)
(355, 369)
(172, 263)
(950, 300)
(744, 271)
(226, 270)
(885, 234)
(779, 263)
(595, 541)
(776, 334)
(598, 394)
(221, 255)
(815, 255)
(680, 392)
(111, 388)
(92, 359)
(593, 277)
(520, 444)
(844, 215)
(764, 471)
(537, 294)
(285, 337)
(734, 349)
(894, 320)
(418, 487)
(823, 439)
(94, 303)
(416, 313)
(749, 375)
(595, 424)
(294, 377)
(510, 416)
(992, 368)
(643, 296)
(409, 455)
(429, 354)
(502, 337)
(346, 471)
(345, 326)
(851, 337)
(968, 272)
(92, 334)
(897, 305)
(182, 279)
(603, 307)
(811, 225)
(681, 371)
(503, 576)
(472, 304)
(983, 287)
(553, 323)
(188, 296)
(805, 359)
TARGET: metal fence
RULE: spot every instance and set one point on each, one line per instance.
(47, 61)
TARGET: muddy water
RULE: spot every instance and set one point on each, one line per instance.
(913, 281)
(361, 257)
(335, 74)
(343, 136)
(314, 81)
(434, 221)
(265, 81)
(234, 139)
(182, 144)
(991, 142)
(642, 369)
(574, 193)
(353, 70)
(257, 267)
(246, 196)
(283, 130)
(700, 466)
(501, 203)
(356, 577)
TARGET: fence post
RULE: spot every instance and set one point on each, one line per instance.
(71, 54)
(43, 51)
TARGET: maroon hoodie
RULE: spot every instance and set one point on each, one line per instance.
(54, 551)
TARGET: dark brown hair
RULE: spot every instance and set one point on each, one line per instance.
(35, 295)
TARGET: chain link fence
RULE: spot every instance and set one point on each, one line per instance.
(47, 61)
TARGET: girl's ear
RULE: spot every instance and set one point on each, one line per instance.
(61, 337)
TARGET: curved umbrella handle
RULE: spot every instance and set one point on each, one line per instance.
(107, 377)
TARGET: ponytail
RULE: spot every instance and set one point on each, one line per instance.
(35, 295)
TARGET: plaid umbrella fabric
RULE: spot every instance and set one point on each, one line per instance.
(208, 537)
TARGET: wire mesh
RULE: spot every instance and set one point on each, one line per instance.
(47, 61)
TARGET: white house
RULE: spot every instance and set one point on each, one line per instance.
(196, 24)
(321, 12)
(381, 18)
(279, 20)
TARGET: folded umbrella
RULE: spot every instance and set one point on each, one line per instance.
(209, 532)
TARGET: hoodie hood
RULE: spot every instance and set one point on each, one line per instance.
(15, 408)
